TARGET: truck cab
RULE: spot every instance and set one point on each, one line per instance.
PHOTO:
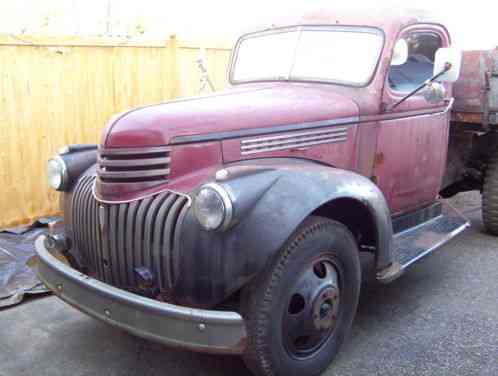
(233, 222)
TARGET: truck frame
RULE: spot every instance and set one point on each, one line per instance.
(233, 223)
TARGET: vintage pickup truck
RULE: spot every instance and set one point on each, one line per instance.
(233, 223)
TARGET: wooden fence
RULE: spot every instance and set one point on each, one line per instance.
(58, 91)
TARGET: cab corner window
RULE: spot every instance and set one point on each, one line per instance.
(419, 65)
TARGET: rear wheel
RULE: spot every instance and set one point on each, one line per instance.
(301, 307)
(490, 196)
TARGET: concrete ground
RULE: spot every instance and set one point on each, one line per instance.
(440, 318)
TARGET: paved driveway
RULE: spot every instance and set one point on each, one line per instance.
(440, 318)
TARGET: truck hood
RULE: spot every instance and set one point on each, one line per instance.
(252, 106)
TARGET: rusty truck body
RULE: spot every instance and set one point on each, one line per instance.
(233, 222)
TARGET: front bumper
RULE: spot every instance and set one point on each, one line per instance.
(190, 328)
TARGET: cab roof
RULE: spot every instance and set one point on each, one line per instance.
(388, 20)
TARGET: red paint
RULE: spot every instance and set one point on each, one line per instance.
(194, 157)
(406, 156)
(340, 154)
(190, 166)
(413, 160)
(252, 106)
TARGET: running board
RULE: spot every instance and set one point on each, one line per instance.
(414, 243)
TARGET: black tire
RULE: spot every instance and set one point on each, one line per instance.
(490, 196)
(317, 241)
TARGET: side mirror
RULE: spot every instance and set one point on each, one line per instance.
(445, 56)
(446, 69)
(400, 53)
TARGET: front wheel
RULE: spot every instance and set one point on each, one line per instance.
(490, 196)
(300, 309)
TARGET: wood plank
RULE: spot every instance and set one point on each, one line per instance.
(56, 91)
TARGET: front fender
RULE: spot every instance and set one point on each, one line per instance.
(271, 198)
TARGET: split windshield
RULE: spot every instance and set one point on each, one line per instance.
(343, 55)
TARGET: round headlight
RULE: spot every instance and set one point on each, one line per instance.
(57, 173)
(213, 207)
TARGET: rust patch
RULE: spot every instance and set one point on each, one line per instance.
(379, 158)
(466, 117)
(241, 345)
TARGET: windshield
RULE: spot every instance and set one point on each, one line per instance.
(344, 55)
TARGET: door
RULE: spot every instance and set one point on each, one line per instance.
(412, 138)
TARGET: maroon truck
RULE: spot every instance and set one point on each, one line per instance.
(233, 223)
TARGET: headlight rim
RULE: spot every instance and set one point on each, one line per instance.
(64, 172)
(227, 204)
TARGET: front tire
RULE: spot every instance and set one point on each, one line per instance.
(490, 196)
(300, 309)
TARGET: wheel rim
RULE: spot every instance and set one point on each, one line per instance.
(312, 309)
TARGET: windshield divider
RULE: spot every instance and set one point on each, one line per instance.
(294, 55)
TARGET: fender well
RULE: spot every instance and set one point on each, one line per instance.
(271, 198)
(355, 216)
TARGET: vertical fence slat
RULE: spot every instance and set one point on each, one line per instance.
(59, 91)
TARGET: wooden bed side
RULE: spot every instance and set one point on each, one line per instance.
(476, 91)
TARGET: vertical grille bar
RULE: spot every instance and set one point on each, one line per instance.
(113, 251)
(80, 213)
(140, 230)
(168, 239)
(150, 222)
(130, 236)
(81, 218)
(120, 243)
(143, 233)
(108, 275)
(175, 259)
(158, 256)
(88, 219)
(97, 250)
(76, 220)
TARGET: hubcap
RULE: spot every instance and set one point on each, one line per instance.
(313, 308)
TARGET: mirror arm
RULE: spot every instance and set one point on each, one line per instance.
(447, 67)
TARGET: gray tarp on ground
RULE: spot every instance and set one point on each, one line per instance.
(18, 262)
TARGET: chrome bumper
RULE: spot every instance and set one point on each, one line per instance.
(190, 328)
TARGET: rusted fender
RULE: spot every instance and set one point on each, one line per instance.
(271, 197)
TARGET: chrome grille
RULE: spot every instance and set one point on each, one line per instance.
(134, 165)
(115, 239)
(293, 140)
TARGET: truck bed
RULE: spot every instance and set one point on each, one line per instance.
(476, 91)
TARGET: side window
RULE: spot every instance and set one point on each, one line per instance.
(422, 47)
